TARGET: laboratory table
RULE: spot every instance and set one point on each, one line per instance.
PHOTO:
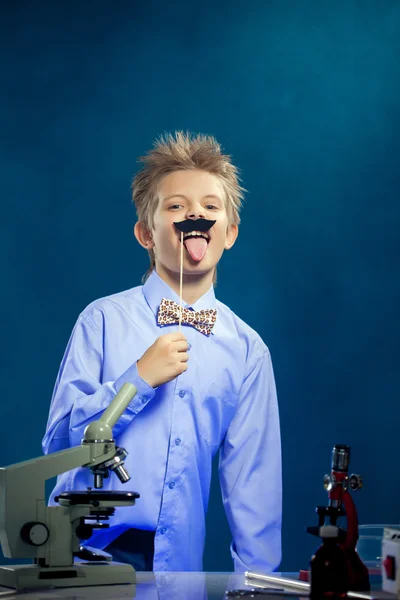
(153, 586)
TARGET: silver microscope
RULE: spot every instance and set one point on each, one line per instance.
(51, 535)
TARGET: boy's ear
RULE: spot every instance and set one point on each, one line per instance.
(143, 235)
(231, 235)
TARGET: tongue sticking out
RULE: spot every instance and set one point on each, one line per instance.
(196, 246)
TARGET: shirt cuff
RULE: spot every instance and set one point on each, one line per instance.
(144, 391)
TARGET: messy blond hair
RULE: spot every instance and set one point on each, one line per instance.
(177, 152)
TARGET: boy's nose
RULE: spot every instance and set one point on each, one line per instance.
(196, 215)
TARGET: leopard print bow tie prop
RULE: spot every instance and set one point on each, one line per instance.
(203, 320)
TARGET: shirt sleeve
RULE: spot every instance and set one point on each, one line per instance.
(251, 473)
(79, 395)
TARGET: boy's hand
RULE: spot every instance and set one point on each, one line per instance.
(164, 360)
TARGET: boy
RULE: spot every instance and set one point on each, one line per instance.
(208, 387)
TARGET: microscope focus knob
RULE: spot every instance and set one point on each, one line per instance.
(34, 533)
(329, 482)
(355, 482)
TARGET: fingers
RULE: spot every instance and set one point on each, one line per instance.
(180, 342)
(181, 346)
(176, 337)
(183, 356)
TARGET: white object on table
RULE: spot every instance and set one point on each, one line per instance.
(391, 560)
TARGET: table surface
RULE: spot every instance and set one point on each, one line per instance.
(151, 586)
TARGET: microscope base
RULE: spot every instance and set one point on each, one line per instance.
(24, 577)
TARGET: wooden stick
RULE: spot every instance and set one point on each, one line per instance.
(180, 285)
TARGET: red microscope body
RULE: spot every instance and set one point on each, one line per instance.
(341, 504)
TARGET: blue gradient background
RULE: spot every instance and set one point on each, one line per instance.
(305, 97)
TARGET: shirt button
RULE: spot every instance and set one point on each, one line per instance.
(182, 393)
(189, 345)
(177, 441)
(144, 400)
(171, 485)
(163, 530)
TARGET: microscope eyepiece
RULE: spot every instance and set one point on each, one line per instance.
(340, 457)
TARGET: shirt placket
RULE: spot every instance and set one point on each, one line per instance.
(169, 515)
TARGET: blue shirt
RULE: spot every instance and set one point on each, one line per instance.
(225, 399)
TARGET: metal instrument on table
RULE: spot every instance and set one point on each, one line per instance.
(51, 535)
(301, 589)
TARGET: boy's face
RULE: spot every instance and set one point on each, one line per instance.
(184, 195)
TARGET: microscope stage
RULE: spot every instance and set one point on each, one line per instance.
(97, 498)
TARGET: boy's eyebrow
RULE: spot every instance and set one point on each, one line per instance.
(186, 198)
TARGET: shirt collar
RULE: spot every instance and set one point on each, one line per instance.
(155, 289)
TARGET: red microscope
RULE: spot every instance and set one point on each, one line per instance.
(338, 485)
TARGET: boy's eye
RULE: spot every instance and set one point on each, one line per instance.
(175, 206)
